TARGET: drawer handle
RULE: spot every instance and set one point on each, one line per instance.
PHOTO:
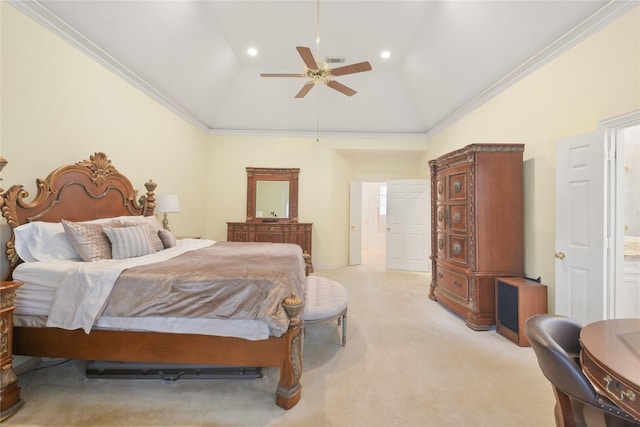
(458, 284)
(629, 394)
(440, 275)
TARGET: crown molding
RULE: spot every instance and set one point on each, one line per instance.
(318, 134)
(598, 20)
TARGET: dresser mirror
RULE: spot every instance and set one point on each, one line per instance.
(272, 194)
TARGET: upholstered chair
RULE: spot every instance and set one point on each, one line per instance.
(555, 341)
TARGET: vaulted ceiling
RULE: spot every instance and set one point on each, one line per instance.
(446, 57)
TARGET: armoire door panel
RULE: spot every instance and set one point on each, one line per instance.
(440, 189)
(457, 186)
(458, 217)
(457, 249)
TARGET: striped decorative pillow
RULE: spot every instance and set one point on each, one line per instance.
(129, 242)
(153, 234)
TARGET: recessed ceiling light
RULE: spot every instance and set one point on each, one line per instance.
(252, 51)
(385, 54)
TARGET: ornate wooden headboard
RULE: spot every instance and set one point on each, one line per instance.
(84, 191)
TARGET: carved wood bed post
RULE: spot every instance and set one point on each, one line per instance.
(10, 252)
(289, 389)
(148, 201)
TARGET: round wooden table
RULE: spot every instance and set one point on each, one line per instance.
(610, 359)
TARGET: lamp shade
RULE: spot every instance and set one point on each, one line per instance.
(167, 203)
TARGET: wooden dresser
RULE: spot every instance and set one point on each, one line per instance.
(277, 232)
(477, 227)
(273, 191)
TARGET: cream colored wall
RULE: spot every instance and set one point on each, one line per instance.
(326, 169)
(596, 80)
(60, 106)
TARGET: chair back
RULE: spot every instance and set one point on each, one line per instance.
(555, 341)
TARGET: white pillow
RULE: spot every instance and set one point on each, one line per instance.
(43, 241)
(128, 242)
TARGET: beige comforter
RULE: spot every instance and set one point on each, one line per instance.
(228, 280)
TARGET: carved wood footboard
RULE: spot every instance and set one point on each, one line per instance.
(284, 352)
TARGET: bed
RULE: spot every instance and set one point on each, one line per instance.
(93, 191)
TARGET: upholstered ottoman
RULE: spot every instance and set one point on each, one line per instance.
(326, 300)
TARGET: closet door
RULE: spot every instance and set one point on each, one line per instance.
(408, 225)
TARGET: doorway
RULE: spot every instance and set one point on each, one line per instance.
(625, 295)
(392, 221)
(598, 241)
(374, 222)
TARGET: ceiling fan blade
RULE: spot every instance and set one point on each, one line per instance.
(281, 75)
(350, 69)
(341, 88)
(307, 57)
(305, 90)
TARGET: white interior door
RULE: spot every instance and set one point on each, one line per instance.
(580, 229)
(408, 225)
(355, 223)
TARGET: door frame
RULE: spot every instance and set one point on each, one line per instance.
(613, 221)
(355, 222)
(355, 256)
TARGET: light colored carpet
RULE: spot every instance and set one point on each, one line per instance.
(407, 362)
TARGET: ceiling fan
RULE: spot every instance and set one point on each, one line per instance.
(320, 73)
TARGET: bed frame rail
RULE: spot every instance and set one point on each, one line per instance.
(283, 352)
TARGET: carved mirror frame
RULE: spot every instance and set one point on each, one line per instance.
(272, 174)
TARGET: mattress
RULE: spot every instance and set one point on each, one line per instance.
(34, 300)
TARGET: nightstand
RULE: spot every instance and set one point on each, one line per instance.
(10, 400)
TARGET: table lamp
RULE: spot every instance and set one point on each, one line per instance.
(167, 203)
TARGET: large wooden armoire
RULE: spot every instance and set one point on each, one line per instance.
(477, 227)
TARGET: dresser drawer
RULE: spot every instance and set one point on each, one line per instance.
(274, 228)
(269, 233)
(615, 389)
(454, 283)
(239, 232)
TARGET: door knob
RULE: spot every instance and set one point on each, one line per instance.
(559, 255)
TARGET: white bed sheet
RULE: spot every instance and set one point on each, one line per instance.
(41, 280)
